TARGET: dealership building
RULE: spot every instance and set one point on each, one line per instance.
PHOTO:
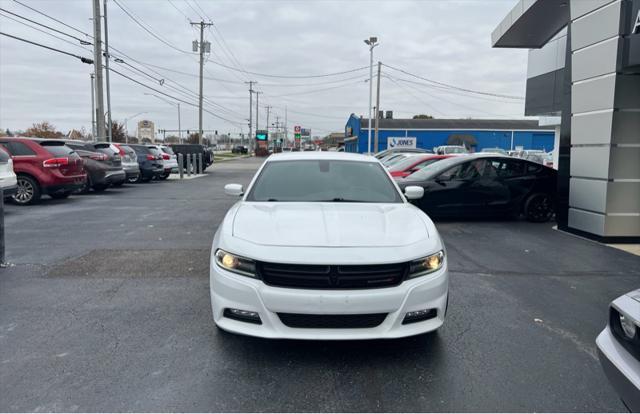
(584, 69)
(475, 134)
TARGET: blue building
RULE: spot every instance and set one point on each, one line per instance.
(476, 134)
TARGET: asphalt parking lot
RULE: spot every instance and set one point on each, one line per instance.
(106, 308)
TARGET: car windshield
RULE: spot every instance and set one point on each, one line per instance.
(404, 164)
(324, 181)
(433, 169)
(167, 150)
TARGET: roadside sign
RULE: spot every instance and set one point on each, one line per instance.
(401, 142)
(297, 129)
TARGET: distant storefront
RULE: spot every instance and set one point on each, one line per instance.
(475, 134)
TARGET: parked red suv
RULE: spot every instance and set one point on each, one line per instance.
(44, 166)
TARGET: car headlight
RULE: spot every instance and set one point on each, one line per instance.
(426, 265)
(236, 264)
(627, 326)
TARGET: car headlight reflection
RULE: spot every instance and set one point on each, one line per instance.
(236, 264)
(426, 265)
(628, 327)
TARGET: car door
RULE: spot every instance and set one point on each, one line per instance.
(454, 192)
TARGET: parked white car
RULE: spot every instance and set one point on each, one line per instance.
(169, 160)
(8, 179)
(324, 245)
(619, 348)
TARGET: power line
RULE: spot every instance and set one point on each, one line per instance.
(453, 86)
(173, 97)
(82, 59)
(53, 18)
(316, 90)
(291, 76)
(454, 92)
(45, 32)
(82, 42)
(180, 11)
(139, 23)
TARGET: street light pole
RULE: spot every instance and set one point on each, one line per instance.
(93, 108)
(371, 42)
(106, 72)
(126, 125)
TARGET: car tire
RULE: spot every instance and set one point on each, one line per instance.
(87, 186)
(60, 196)
(163, 176)
(132, 180)
(538, 208)
(98, 188)
(118, 184)
(28, 192)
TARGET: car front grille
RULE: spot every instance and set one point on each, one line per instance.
(332, 276)
(310, 321)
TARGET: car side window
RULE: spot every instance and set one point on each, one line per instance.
(508, 168)
(533, 168)
(4, 154)
(451, 173)
(473, 169)
(18, 148)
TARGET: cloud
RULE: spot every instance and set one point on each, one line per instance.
(448, 41)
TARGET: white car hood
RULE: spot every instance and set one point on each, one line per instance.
(329, 224)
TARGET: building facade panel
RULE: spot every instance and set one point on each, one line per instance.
(592, 128)
(595, 61)
(603, 23)
(593, 94)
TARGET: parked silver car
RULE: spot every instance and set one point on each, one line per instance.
(619, 348)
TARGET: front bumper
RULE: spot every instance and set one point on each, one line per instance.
(622, 369)
(229, 290)
(9, 191)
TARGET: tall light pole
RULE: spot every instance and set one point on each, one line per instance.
(371, 42)
(106, 72)
(97, 61)
(172, 104)
(126, 125)
(93, 108)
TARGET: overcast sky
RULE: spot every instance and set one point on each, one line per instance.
(447, 41)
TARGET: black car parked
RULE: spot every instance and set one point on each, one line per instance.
(239, 149)
(100, 173)
(188, 149)
(150, 163)
(485, 185)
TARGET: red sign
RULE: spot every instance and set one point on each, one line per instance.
(297, 129)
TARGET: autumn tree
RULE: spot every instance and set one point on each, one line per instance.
(422, 116)
(193, 138)
(172, 139)
(118, 133)
(43, 129)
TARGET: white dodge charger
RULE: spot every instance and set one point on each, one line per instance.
(325, 246)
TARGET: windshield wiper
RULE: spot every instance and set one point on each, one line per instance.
(341, 200)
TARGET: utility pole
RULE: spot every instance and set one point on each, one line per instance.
(268, 108)
(251, 83)
(93, 109)
(375, 138)
(107, 57)
(286, 133)
(257, 109)
(202, 46)
(179, 125)
(97, 61)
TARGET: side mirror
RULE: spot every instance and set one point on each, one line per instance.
(234, 190)
(413, 192)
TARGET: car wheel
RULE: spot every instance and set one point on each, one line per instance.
(132, 180)
(28, 191)
(163, 176)
(60, 196)
(99, 187)
(538, 208)
(87, 186)
(118, 184)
